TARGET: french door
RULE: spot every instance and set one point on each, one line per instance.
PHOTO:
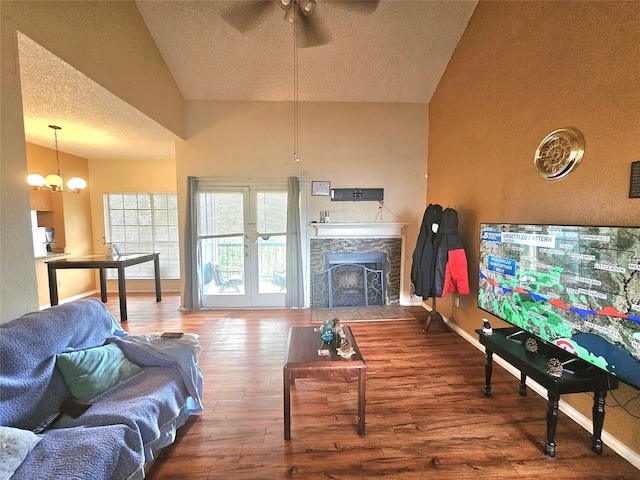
(242, 245)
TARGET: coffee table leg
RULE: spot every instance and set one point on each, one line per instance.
(362, 388)
(287, 403)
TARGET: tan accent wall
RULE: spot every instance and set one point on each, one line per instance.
(118, 176)
(520, 71)
(71, 218)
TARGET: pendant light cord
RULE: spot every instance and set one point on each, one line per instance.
(295, 84)
(55, 134)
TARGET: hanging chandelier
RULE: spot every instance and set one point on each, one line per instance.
(54, 181)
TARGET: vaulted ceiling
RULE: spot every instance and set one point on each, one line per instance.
(396, 53)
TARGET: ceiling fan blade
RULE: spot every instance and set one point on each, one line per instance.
(312, 32)
(360, 6)
(243, 16)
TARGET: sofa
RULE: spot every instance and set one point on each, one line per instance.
(137, 390)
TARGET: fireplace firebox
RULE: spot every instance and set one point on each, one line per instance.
(381, 255)
(351, 280)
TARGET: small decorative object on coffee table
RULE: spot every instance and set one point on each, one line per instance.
(337, 328)
(346, 348)
(327, 331)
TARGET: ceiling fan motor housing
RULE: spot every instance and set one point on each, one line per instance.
(307, 7)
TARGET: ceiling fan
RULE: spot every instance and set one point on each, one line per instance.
(244, 16)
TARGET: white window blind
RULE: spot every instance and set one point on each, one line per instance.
(144, 223)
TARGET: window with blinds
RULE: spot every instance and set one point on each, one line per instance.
(144, 223)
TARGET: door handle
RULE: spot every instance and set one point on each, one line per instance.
(253, 236)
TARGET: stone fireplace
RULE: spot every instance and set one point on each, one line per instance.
(355, 271)
(351, 279)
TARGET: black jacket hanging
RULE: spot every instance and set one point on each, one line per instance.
(439, 260)
(423, 268)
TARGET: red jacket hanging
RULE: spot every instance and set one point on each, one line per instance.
(440, 262)
(451, 262)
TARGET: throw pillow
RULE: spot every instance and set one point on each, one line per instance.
(90, 372)
(15, 445)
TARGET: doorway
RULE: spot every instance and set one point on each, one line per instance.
(242, 245)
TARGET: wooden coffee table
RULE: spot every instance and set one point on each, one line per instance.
(302, 360)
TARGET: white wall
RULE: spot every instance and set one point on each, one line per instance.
(350, 144)
(18, 286)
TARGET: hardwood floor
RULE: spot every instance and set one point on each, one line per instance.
(426, 413)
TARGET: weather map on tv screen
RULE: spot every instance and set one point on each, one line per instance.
(577, 287)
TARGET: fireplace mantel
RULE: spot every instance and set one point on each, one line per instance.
(356, 229)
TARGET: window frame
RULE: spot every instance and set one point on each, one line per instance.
(166, 243)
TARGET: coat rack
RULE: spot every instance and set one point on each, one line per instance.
(435, 314)
(439, 262)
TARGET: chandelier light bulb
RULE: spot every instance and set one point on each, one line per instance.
(54, 181)
(76, 183)
(36, 180)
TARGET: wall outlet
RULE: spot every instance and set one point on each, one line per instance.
(456, 302)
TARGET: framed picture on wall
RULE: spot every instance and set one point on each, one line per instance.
(320, 188)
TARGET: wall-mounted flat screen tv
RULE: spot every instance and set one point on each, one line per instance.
(577, 287)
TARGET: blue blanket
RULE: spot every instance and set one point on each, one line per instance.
(153, 404)
(31, 388)
(180, 353)
(103, 452)
(126, 424)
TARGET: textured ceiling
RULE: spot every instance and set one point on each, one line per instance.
(398, 53)
(95, 123)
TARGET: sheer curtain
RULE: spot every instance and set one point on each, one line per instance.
(295, 279)
(191, 298)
